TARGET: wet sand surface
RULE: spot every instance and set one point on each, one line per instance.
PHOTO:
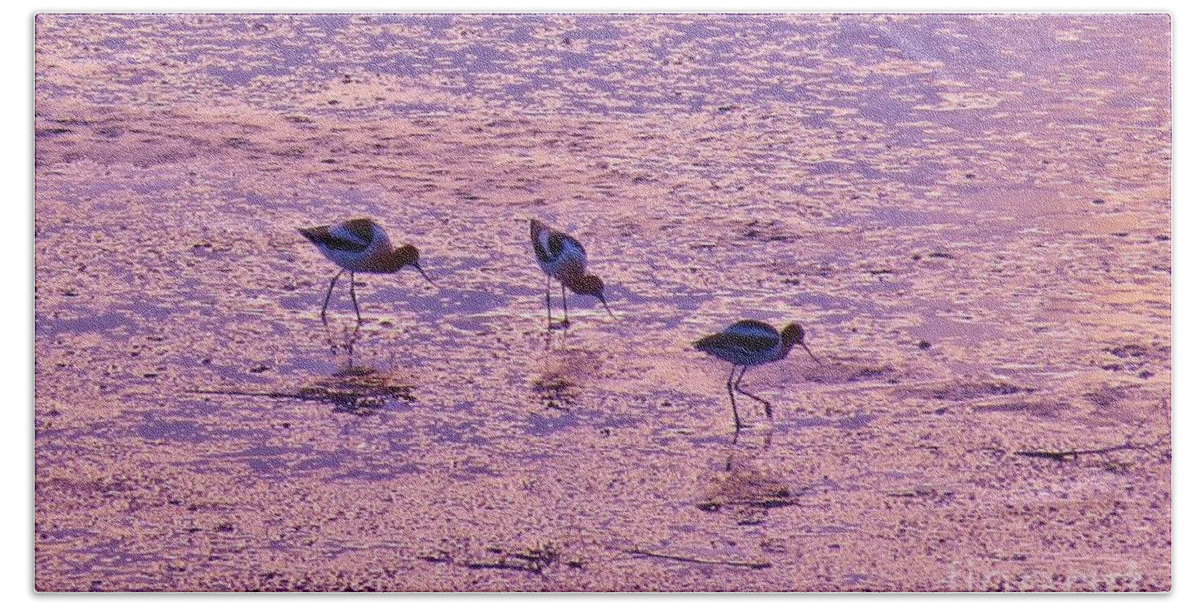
(969, 215)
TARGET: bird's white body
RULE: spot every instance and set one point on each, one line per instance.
(359, 245)
(366, 259)
(564, 257)
(745, 343)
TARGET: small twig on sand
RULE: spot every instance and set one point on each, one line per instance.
(696, 560)
(1064, 455)
(502, 565)
(356, 393)
(241, 393)
(534, 560)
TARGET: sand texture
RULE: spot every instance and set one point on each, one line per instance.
(970, 215)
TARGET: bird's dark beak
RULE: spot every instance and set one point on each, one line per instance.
(418, 267)
(810, 352)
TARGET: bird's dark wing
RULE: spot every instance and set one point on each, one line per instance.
(541, 252)
(749, 337)
(555, 243)
(753, 329)
(321, 235)
(726, 342)
(362, 228)
(566, 239)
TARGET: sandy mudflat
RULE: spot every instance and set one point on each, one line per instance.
(969, 215)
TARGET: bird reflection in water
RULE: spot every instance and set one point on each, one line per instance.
(343, 343)
(748, 343)
(746, 491)
(355, 388)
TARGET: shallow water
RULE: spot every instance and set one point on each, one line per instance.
(970, 215)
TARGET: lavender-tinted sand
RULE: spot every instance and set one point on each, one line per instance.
(969, 214)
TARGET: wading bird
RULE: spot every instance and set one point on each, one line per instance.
(360, 245)
(562, 257)
(749, 343)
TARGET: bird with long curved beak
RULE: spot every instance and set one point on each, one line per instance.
(561, 256)
(746, 344)
(360, 245)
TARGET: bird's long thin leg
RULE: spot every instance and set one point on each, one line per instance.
(566, 317)
(737, 422)
(329, 293)
(354, 299)
(737, 387)
(549, 321)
